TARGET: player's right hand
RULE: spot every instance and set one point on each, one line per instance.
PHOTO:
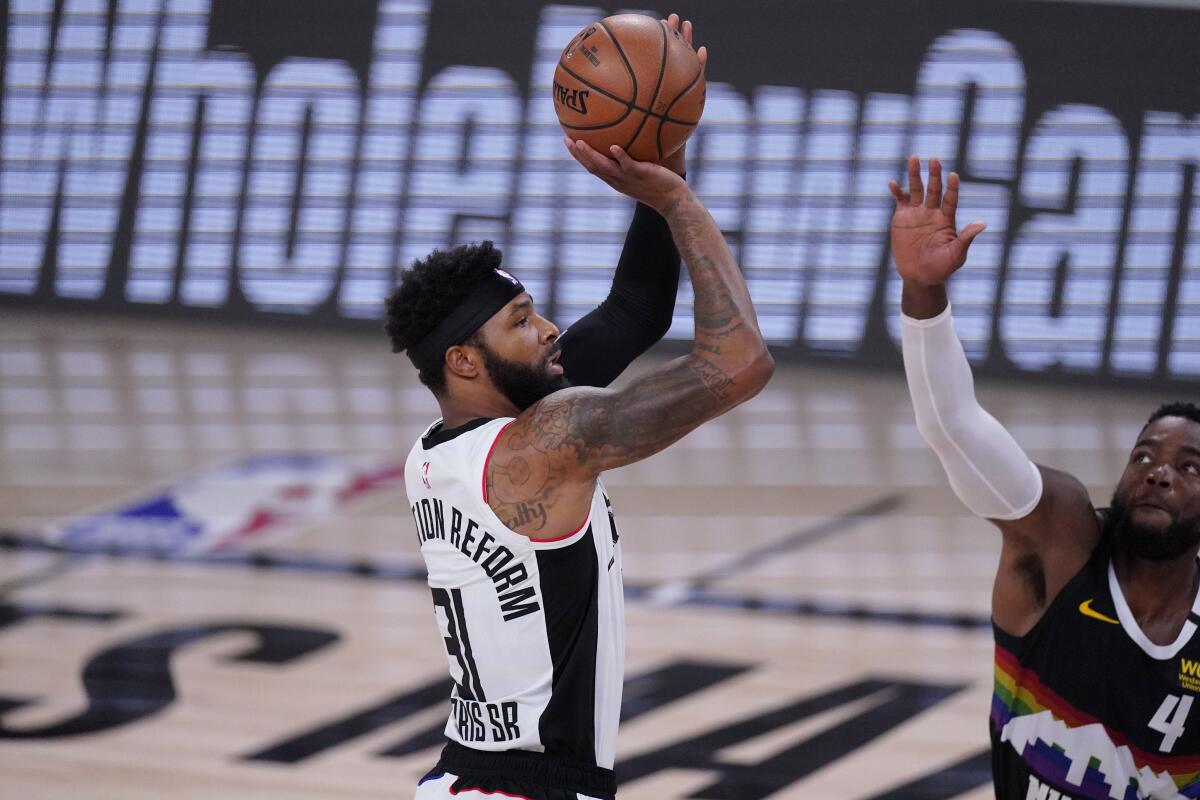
(647, 183)
(925, 244)
(677, 161)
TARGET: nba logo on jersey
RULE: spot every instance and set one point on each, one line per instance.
(507, 276)
(425, 475)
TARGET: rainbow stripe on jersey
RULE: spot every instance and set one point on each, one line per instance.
(1073, 749)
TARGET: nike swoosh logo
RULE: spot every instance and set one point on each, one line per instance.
(1086, 609)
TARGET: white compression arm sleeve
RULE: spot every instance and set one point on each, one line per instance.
(988, 470)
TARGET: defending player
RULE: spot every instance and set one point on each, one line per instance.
(515, 527)
(1094, 611)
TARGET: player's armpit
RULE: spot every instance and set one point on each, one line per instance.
(1042, 551)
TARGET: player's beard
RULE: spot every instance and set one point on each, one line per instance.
(1148, 542)
(523, 384)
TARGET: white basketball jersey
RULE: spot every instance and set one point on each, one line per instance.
(534, 630)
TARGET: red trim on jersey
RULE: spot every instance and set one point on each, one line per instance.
(489, 458)
(575, 532)
(481, 791)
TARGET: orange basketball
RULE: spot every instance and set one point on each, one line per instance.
(629, 80)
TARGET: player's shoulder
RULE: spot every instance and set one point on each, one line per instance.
(1064, 488)
(1065, 509)
(566, 421)
(1045, 548)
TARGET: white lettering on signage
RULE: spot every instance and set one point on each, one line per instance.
(770, 239)
(1061, 265)
(382, 166)
(194, 230)
(296, 271)
(286, 190)
(954, 62)
(69, 125)
(467, 135)
(1170, 144)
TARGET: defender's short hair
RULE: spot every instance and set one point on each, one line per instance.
(1177, 409)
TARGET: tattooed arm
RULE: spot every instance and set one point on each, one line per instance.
(542, 472)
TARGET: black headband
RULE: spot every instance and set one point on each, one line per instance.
(492, 294)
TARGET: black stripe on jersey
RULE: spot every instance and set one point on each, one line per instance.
(570, 581)
(473, 677)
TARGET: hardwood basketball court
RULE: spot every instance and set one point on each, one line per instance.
(807, 601)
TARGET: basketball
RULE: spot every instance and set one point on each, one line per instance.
(629, 80)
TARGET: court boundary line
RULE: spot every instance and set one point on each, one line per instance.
(641, 593)
(840, 523)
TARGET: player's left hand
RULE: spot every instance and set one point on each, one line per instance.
(677, 161)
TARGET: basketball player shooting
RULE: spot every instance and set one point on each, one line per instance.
(1094, 611)
(514, 525)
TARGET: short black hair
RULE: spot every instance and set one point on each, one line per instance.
(1177, 409)
(428, 291)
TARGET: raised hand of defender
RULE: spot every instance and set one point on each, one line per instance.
(677, 161)
(647, 183)
(925, 242)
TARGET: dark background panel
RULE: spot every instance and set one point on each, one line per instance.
(1125, 59)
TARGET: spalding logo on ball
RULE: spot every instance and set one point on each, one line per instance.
(629, 80)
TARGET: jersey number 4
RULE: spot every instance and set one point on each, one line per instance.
(1170, 718)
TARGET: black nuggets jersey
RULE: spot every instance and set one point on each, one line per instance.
(1085, 706)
